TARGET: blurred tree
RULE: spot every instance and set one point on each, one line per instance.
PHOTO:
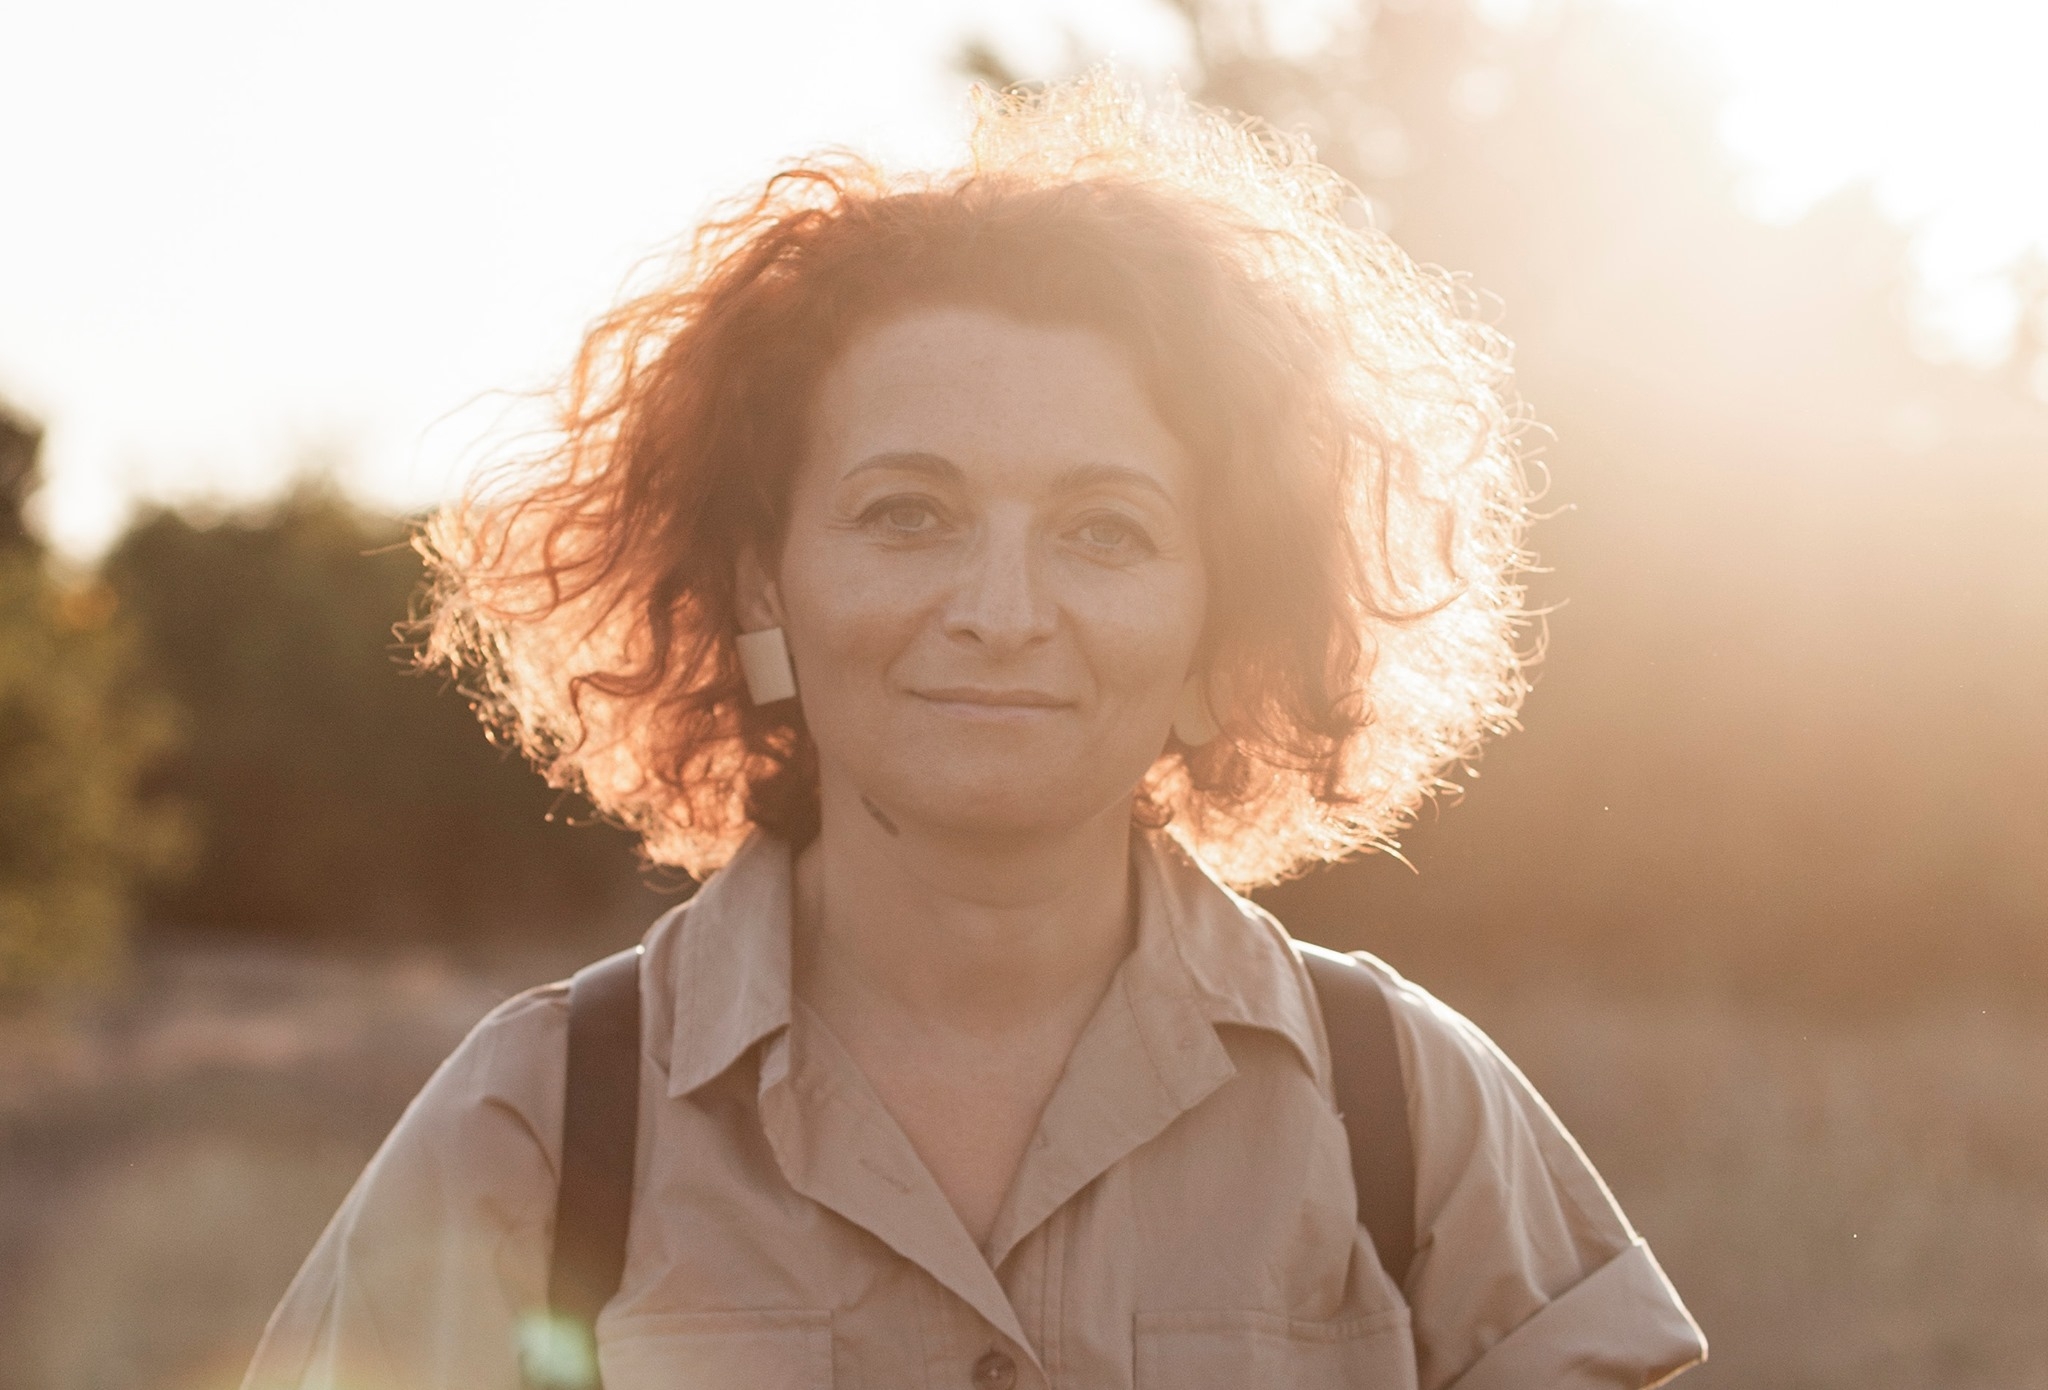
(339, 793)
(20, 442)
(78, 727)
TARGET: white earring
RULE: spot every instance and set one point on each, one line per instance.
(1193, 723)
(764, 659)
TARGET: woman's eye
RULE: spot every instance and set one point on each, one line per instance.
(903, 516)
(1113, 535)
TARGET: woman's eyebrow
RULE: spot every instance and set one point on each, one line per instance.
(1082, 477)
(907, 461)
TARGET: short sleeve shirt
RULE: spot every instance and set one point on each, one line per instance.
(1185, 1215)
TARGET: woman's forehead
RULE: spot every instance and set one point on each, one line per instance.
(991, 393)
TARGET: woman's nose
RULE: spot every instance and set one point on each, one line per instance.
(1000, 600)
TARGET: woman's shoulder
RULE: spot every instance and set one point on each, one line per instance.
(1469, 1104)
(513, 1063)
(443, 1237)
(488, 1122)
(1460, 1083)
(506, 1036)
(515, 1057)
(1516, 1231)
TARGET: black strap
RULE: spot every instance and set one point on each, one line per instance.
(1373, 1098)
(600, 1126)
(600, 1121)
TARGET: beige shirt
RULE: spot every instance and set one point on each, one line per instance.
(1185, 1216)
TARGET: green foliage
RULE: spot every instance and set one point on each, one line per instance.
(78, 728)
(339, 792)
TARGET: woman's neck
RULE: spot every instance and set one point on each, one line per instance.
(979, 935)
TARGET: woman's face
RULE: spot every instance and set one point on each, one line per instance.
(990, 581)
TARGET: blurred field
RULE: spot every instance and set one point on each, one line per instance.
(167, 1159)
(1865, 1206)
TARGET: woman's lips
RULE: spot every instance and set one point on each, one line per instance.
(983, 703)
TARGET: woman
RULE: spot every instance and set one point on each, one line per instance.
(970, 577)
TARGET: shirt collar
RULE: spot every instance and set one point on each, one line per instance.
(728, 963)
(1234, 956)
(727, 957)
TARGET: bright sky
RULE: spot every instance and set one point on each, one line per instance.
(239, 234)
(1942, 104)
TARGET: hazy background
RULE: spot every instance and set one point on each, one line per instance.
(1759, 897)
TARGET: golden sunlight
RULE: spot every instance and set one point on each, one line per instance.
(1942, 109)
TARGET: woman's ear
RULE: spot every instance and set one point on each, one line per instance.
(757, 601)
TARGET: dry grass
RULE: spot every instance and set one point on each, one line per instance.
(167, 1159)
(1863, 1206)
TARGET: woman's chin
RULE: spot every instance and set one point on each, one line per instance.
(1018, 807)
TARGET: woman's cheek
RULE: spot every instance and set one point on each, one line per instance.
(1145, 640)
(844, 587)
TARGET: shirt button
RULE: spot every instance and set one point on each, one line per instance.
(995, 1371)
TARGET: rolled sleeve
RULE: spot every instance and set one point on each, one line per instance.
(1526, 1271)
(1573, 1341)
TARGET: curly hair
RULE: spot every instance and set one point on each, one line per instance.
(1363, 501)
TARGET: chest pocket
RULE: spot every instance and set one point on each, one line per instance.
(784, 1349)
(1229, 1350)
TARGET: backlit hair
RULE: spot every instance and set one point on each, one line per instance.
(1361, 496)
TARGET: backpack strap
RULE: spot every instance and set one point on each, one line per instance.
(594, 1197)
(1373, 1099)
